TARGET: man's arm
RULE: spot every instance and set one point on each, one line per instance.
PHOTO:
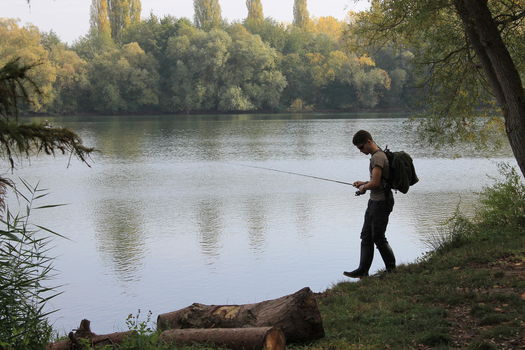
(374, 182)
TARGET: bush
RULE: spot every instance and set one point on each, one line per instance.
(503, 204)
(502, 208)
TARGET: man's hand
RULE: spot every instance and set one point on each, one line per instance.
(358, 184)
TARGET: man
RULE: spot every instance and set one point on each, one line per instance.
(379, 207)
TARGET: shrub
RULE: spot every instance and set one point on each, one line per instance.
(502, 208)
(503, 203)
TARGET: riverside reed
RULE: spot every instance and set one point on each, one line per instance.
(467, 293)
(25, 268)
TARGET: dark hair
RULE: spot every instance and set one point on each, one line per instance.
(361, 137)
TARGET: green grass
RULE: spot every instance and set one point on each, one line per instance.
(475, 287)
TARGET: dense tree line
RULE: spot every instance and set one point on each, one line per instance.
(173, 65)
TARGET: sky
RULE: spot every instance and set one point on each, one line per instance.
(69, 19)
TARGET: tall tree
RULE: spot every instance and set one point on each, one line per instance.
(207, 14)
(474, 50)
(301, 17)
(255, 11)
(99, 18)
(111, 17)
(122, 14)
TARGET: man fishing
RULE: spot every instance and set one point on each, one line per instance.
(380, 205)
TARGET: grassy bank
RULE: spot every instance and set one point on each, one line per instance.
(470, 295)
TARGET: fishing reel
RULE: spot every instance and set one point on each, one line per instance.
(358, 193)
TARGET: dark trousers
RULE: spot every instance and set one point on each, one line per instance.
(373, 232)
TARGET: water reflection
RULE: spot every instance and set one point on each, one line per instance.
(120, 237)
(118, 138)
(210, 224)
(303, 207)
(255, 215)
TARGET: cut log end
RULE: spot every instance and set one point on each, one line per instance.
(275, 340)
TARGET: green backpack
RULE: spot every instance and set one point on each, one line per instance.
(402, 171)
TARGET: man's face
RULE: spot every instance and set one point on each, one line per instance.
(365, 147)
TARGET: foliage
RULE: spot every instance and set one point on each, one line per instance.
(24, 139)
(503, 203)
(456, 90)
(22, 44)
(207, 14)
(234, 71)
(100, 18)
(255, 11)
(329, 26)
(110, 18)
(338, 80)
(25, 267)
(172, 65)
(122, 79)
(501, 207)
(71, 77)
(301, 17)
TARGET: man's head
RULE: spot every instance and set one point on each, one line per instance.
(363, 140)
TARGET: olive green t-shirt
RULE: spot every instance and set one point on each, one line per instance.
(380, 160)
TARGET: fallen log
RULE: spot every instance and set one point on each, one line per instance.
(260, 338)
(84, 332)
(296, 314)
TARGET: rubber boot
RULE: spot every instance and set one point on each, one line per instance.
(388, 256)
(365, 261)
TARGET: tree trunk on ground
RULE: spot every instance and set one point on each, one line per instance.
(84, 332)
(261, 338)
(296, 314)
(485, 38)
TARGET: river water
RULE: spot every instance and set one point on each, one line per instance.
(168, 214)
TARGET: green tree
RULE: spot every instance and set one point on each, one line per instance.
(110, 18)
(271, 32)
(207, 14)
(330, 27)
(301, 17)
(227, 71)
(252, 70)
(199, 59)
(99, 18)
(24, 43)
(71, 81)
(255, 11)
(474, 49)
(123, 79)
(122, 14)
(153, 35)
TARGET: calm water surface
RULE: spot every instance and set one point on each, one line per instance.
(167, 216)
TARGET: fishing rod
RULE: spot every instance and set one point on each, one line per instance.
(358, 193)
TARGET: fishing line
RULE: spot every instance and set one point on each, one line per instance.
(292, 173)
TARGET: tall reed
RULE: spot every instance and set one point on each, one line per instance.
(25, 269)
